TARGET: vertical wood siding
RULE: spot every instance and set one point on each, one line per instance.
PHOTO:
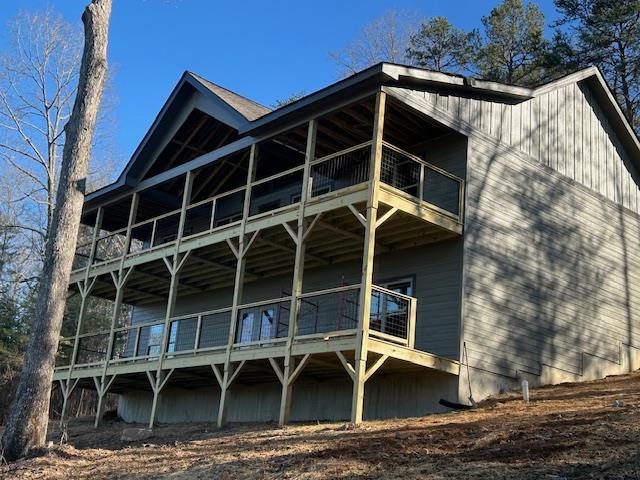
(563, 129)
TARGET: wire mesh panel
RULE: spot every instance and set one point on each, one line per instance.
(92, 348)
(81, 258)
(110, 247)
(65, 351)
(198, 218)
(150, 340)
(166, 229)
(124, 344)
(214, 330)
(262, 322)
(182, 334)
(141, 237)
(328, 312)
(276, 193)
(420, 179)
(228, 208)
(341, 171)
(389, 313)
(441, 190)
(400, 171)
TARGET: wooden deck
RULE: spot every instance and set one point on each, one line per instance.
(387, 210)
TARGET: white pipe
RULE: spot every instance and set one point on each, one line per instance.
(525, 391)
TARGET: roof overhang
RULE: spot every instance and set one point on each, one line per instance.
(386, 74)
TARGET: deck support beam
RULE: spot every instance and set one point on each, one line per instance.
(66, 387)
(85, 286)
(157, 382)
(174, 266)
(238, 287)
(102, 387)
(299, 237)
(119, 280)
(364, 310)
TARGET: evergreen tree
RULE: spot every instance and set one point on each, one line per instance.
(514, 46)
(606, 33)
(440, 46)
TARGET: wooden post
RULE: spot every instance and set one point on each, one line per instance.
(174, 268)
(119, 280)
(102, 387)
(85, 289)
(238, 288)
(298, 274)
(66, 387)
(364, 310)
(411, 322)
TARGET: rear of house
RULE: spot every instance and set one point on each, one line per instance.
(398, 237)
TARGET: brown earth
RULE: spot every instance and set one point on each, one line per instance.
(567, 431)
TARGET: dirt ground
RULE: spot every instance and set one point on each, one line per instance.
(567, 431)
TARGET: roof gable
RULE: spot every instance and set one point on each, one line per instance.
(191, 93)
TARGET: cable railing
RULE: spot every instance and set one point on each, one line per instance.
(321, 314)
(401, 170)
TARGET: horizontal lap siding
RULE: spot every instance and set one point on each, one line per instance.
(552, 270)
(436, 270)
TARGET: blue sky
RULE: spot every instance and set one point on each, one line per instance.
(265, 50)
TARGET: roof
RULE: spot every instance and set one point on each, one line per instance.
(248, 108)
(252, 119)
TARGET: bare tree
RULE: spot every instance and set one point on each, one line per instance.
(38, 80)
(28, 419)
(383, 40)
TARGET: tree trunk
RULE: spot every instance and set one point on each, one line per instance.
(28, 419)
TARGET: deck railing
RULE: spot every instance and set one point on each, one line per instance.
(321, 314)
(414, 176)
(401, 170)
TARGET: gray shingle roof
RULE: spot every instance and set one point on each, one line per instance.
(247, 108)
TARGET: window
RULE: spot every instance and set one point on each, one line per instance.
(266, 324)
(155, 339)
(389, 313)
(173, 334)
(246, 328)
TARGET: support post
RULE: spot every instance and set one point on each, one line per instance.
(157, 382)
(238, 287)
(174, 266)
(364, 310)
(102, 387)
(119, 279)
(85, 288)
(66, 387)
(298, 274)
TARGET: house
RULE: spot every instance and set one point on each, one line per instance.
(398, 237)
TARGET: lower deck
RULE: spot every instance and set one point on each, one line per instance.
(322, 378)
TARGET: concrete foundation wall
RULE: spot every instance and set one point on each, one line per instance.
(386, 396)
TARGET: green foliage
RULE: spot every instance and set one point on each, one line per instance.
(514, 45)
(440, 46)
(13, 328)
(606, 33)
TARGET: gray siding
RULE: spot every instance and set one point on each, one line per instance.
(551, 272)
(436, 269)
(563, 129)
